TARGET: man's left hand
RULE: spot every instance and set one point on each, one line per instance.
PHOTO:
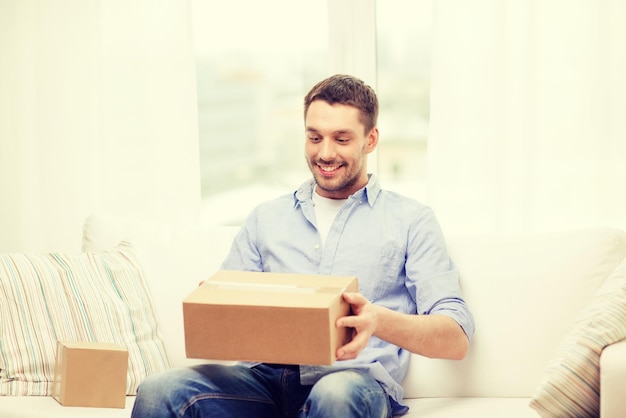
(363, 322)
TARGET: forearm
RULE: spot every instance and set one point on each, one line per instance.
(436, 336)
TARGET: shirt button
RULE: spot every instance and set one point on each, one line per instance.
(316, 246)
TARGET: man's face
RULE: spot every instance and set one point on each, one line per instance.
(336, 148)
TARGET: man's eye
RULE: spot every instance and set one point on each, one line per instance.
(342, 140)
(315, 138)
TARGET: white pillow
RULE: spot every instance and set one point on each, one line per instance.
(99, 296)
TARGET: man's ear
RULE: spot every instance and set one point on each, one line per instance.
(372, 140)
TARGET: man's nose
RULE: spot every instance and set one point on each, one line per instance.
(327, 150)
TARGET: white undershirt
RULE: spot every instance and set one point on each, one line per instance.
(325, 212)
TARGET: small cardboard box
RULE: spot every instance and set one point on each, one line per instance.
(90, 374)
(267, 317)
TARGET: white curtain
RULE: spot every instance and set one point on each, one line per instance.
(97, 115)
(528, 115)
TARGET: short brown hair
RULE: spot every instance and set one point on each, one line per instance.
(347, 90)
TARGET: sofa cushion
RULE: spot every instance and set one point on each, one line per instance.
(175, 257)
(525, 292)
(100, 296)
(571, 384)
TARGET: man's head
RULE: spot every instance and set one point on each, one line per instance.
(340, 115)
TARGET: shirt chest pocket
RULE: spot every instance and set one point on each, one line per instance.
(379, 269)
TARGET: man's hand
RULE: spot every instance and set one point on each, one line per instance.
(363, 322)
(435, 336)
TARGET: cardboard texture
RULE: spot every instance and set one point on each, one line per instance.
(267, 317)
(90, 374)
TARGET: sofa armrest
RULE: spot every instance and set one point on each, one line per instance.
(613, 380)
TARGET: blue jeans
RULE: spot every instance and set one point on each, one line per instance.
(265, 390)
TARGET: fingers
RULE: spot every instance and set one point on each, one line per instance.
(353, 348)
(351, 321)
(354, 298)
(363, 323)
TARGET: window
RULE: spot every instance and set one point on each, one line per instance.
(253, 70)
(254, 66)
(403, 74)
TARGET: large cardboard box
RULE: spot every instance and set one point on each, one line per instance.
(267, 317)
(90, 374)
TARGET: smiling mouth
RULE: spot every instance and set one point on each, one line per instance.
(328, 170)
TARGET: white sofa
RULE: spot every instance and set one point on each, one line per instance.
(526, 293)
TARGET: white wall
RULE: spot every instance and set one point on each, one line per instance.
(97, 114)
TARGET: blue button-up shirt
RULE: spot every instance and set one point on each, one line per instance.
(391, 243)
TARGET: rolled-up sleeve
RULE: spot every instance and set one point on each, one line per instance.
(432, 278)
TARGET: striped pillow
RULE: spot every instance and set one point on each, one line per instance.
(101, 297)
(571, 383)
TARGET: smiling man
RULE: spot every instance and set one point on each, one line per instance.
(339, 139)
(338, 223)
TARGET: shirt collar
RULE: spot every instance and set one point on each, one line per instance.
(370, 192)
